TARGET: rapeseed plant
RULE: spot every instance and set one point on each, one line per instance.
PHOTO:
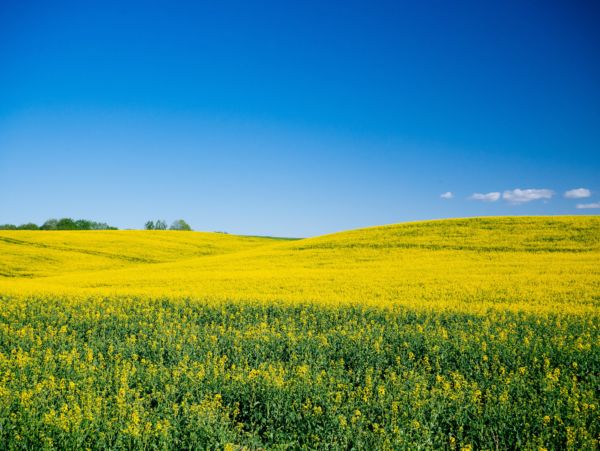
(463, 334)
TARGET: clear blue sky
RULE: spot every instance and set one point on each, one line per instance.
(297, 118)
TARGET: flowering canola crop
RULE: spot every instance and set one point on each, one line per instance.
(458, 334)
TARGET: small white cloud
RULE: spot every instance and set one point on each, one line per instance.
(579, 193)
(588, 206)
(489, 197)
(447, 195)
(520, 196)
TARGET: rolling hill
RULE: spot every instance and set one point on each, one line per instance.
(48, 253)
(513, 262)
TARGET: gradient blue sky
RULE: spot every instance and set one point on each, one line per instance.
(295, 118)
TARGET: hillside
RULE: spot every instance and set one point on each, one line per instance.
(519, 262)
(543, 234)
(47, 253)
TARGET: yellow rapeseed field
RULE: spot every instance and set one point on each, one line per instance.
(540, 264)
(475, 333)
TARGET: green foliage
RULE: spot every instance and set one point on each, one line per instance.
(160, 224)
(68, 224)
(180, 224)
(28, 226)
(101, 226)
(133, 373)
(83, 224)
(50, 224)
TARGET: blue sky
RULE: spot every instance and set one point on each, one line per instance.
(297, 118)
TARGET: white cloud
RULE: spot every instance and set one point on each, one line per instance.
(588, 206)
(489, 197)
(520, 196)
(447, 195)
(578, 193)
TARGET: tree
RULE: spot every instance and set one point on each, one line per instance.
(149, 225)
(50, 224)
(160, 225)
(62, 224)
(101, 226)
(180, 224)
(83, 224)
(28, 226)
(66, 224)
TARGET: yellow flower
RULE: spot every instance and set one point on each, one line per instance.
(546, 419)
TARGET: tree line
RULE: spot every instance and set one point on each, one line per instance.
(160, 224)
(85, 224)
(60, 224)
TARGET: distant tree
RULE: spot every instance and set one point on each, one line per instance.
(28, 226)
(160, 225)
(102, 226)
(66, 224)
(50, 224)
(62, 224)
(180, 224)
(149, 225)
(84, 224)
